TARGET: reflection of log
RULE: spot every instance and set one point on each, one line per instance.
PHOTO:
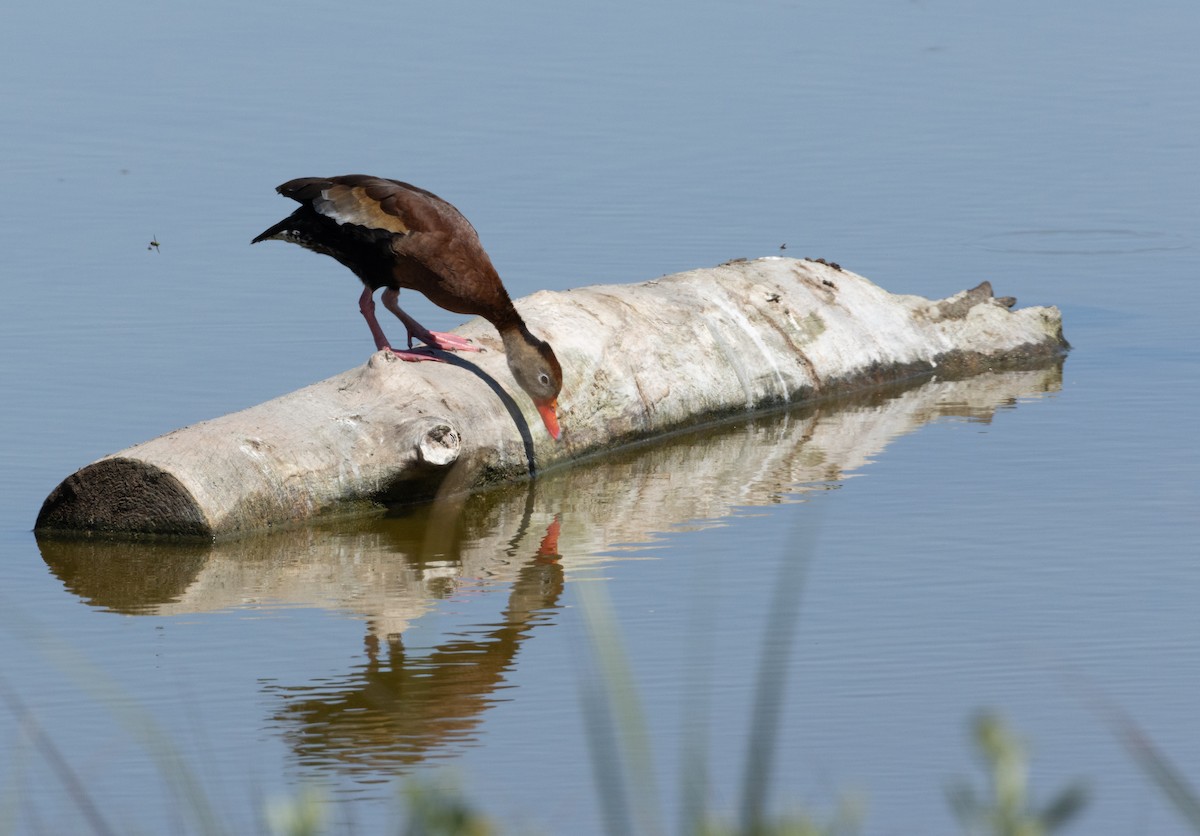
(639, 360)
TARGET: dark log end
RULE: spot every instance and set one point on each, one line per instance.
(122, 497)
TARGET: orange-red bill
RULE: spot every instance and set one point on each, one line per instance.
(549, 413)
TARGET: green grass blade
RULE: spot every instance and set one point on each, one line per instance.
(69, 778)
(137, 721)
(772, 678)
(617, 726)
(1159, 768)
(1153, 762)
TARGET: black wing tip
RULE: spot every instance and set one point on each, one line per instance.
(272, 231)
(300, 183)
(301, 188)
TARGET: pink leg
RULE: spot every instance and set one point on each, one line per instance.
(433, 339)
(366, 305)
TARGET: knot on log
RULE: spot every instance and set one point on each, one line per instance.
(381, 360)
(439, 446)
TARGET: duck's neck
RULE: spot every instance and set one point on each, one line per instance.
(514, 335)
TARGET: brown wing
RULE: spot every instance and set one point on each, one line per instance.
(438, 251)
(377, 203)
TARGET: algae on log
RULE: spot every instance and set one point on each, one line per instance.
(638, 360)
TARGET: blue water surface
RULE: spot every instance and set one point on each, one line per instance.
(1028, 546)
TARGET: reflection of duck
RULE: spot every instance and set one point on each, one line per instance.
(400, 707)
(394, 235)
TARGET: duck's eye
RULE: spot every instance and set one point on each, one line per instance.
(544, 379)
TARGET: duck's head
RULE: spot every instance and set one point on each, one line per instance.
(537, 371)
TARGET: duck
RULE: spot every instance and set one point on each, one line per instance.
(394, 235)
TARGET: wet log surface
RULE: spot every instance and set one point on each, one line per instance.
(639, 361)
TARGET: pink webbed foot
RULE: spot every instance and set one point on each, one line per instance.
(413, 355)
(446, 342)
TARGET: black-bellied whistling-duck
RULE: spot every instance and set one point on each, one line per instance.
(394, 235)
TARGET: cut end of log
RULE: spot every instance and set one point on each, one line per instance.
(122, 497)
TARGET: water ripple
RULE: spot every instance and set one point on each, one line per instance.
(1081, 242)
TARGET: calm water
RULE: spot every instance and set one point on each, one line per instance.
(1010, 542)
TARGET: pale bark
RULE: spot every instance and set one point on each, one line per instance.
(639, 361)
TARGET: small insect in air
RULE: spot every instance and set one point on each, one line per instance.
(783, 246)
(153, 245)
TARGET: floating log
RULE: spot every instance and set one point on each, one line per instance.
(639, 361)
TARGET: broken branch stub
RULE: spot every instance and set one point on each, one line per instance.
(639, 361)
